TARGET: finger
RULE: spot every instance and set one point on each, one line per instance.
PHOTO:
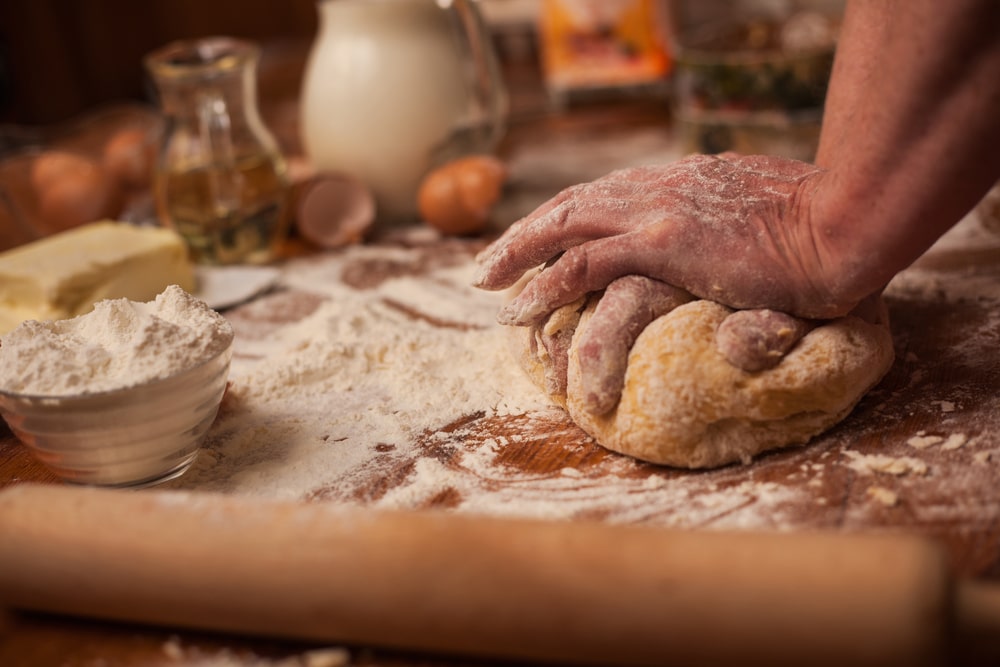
(755, 340)
(620, 184)
(628, 305)
(604, 208)
(585, 268)
(553, 340)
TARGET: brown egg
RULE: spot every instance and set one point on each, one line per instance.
(71, 190)
(457, 198)
(128, 157)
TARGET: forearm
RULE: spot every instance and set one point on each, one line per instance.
(911, 136)
(858, 58)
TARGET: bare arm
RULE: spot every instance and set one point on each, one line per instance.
(911, 134)
(910, 142)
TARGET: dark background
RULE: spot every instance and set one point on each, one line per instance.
(59, 58)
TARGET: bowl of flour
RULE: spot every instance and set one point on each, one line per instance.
(122, 396)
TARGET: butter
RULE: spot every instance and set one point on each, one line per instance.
(64, 275)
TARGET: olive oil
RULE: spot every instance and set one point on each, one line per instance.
(227, 213)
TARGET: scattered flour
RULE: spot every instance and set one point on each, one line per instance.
(402, 394)
(120, 343)
(316, 399)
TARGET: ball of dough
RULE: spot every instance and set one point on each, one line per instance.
(684, 405)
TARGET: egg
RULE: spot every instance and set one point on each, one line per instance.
(71, 190)
(128, 157)
(457, 197)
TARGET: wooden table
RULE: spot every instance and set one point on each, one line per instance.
(921, 453)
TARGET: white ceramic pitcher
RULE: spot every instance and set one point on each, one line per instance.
(393, 88)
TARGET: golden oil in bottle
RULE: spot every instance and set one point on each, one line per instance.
(227, 213)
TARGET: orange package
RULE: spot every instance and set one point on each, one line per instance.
(603, 43)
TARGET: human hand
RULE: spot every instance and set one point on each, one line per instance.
(625, 308)
(751, 340)
(732, 229)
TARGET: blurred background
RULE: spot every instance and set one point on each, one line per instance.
(587, 85)
(59, 58)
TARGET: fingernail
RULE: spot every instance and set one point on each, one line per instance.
(520, 314)
(508, 315)
(477, 278)
(481, 276)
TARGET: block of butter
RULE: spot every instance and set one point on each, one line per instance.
(64, 275)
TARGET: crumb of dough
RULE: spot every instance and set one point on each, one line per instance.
(981, 457)
(955, 441)
(946, 406)
(887, 497)
(326, 657)
(322, 657)
(921, 441)
(873, 463)
(172, 648)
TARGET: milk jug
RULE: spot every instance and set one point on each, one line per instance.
(393, 88)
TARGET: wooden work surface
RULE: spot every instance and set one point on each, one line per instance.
(920, 453)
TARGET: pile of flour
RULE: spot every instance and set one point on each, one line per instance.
(120, 343)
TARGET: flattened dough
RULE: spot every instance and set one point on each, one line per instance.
(684, 405)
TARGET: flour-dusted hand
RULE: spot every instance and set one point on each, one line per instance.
(732, 229)
(907, 148)
(905, 152)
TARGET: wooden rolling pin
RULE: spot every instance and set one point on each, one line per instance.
(544, 591)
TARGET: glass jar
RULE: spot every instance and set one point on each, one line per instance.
(220, 180)
(394, 88)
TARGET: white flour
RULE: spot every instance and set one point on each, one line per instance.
(317, 398)
(120, 343)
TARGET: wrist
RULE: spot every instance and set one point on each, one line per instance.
(849, 260)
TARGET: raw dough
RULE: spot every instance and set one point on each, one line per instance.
(684, 405)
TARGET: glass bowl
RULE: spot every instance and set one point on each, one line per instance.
(131, 437)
